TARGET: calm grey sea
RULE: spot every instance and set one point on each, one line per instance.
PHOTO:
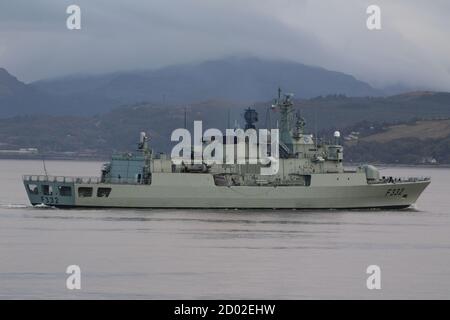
(221, 254)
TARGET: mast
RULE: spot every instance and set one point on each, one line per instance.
(286, 107)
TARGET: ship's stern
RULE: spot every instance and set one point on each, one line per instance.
(51, 191)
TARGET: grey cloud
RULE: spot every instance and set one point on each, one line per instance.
(118, 35)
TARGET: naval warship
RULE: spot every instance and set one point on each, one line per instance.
(311, 175)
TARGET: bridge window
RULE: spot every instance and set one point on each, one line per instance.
(65, 191)
(103, 192)
(33, 188)
(47, 190)
(84, 192)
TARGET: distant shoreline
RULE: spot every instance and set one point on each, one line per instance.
(106, 158)
(55, 158)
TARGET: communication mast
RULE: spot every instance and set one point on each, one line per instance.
(286, 107)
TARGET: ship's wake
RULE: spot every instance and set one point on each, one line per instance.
(14, 205)
(24, 206)
(43, 206)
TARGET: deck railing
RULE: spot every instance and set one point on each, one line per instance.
(401, 179)
(68, 179)
(80, 180)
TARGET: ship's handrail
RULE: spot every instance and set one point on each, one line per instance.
(76, 179)
(401, 180)
(67, 179)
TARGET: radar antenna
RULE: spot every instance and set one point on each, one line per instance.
(251, 117)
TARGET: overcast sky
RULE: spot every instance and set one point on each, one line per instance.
(413, 47)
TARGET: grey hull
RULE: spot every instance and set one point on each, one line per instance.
(199, 191)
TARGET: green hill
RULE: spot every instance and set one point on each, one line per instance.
(416, 142)
(385, 134)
